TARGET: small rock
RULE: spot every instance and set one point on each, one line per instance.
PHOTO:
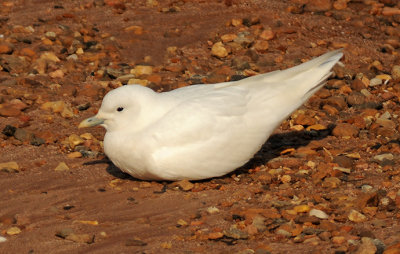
(375, 82)
(9, 130)
(10, 167)
(135, 242)
(261, 46)
(318, 213)
(385, 156)
(75, 155)
(56, 74)
(259, 223)
(336, 101)
(386, 123)
(212, 210)
(267, 34)
(284, 233)
(6, 48)
(331, 182)
(215, 235)
(343, 161)
(74, 140)
(340, 4)
(49, 56)
(63, 233)
(2, 239)
(142, 70)
(380, 246)
(338, 240)
(80, 238)
(23, 135)
(13, 231)
(185, 185)
(356, 216)
(235, 233)
(301, 208)
(342, 169)
(182, 223)
(228, 37)
(219, 50)
(355, 98)
(367, 246)
(345, 130)
(62, 167)
(396, 72)
(318, 5)
(358, 85)
(9, 110)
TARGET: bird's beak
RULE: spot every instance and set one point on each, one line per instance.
(90, 122)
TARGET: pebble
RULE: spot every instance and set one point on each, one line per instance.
(366, 188)
(215, 235)
(261, 46)
(344, 170)
(356, 216)
(6, 48)
(385, 156)
(81, 238)
(367, 246)
(61, 167)
(75, 155)
(228, 37)
(212, 210)
(74, 140)
(135, 242)
(219, 50)
(185, 185)
(396, 72)
(345, 130)
(284, 233)
(340, 4)
(267, 34)
(56, 74)
(235, 233)
(13, 231)
(64, 232)
(355, 98)
(338, 239)
(331, 182)
(9, 110)
(140, 70)
(301, 208)
(375, 82)
(11, 167)
(181, 223)
(318, 213)
(2, 239)
(318, 5)
(259, 223)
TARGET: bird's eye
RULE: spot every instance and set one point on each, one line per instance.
(119, 109)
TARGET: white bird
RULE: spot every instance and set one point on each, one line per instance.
(202, 131)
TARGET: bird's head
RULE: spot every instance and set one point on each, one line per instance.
(121, 107)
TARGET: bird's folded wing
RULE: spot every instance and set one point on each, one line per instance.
(202, 117)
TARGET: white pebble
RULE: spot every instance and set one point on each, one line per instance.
(212, 209)
(375, 82)
(2, 239)
(318, 213)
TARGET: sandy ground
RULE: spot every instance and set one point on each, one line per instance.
(326, 182)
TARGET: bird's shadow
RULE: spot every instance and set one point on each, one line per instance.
(270, 150)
